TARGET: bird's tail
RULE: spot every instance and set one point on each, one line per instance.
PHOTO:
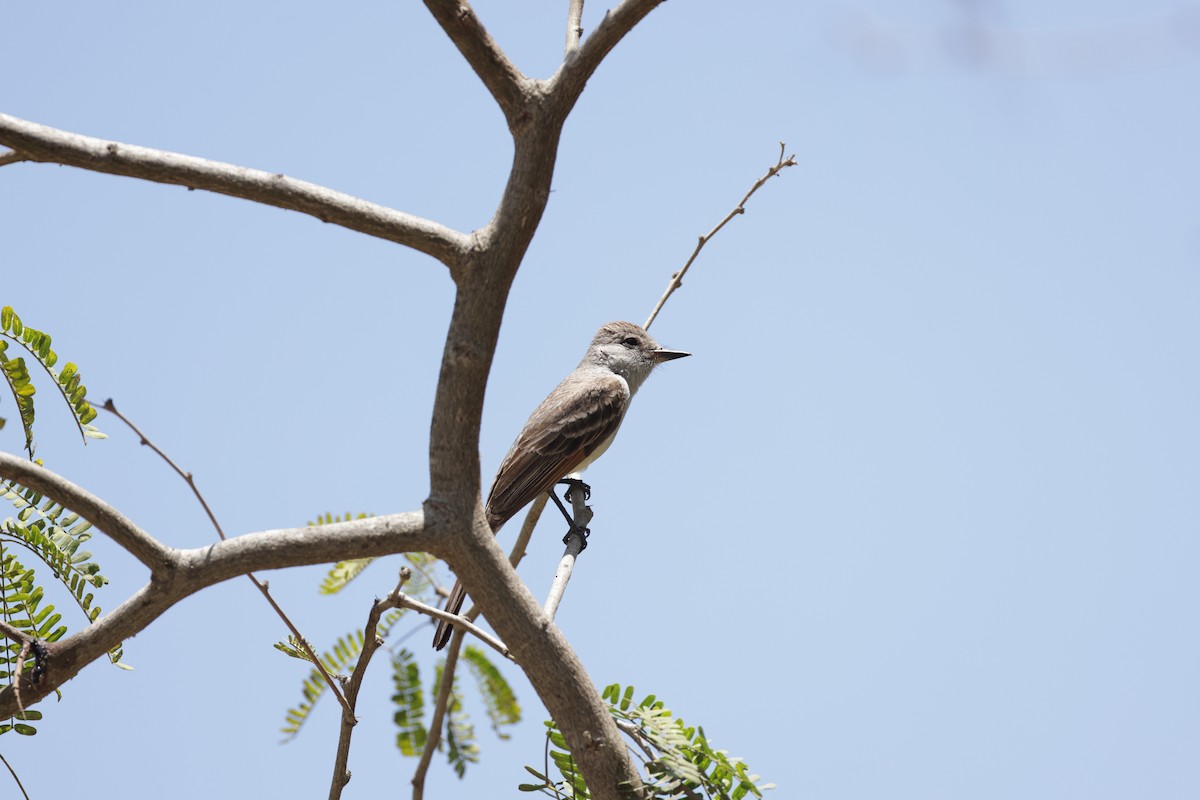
(454, 605)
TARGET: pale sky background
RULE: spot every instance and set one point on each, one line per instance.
(918, 520)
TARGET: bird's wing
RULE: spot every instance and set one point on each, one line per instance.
(560, 434)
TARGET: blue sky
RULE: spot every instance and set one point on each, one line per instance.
(918, 518)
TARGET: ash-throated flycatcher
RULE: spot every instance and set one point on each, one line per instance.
(571, 428)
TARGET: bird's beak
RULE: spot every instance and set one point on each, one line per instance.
(660, 356)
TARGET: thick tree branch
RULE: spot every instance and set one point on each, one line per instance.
(499, 75)
(145, 548)
(42, 143)
(190, 571)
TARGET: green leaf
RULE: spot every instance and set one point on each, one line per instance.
(498, 697)
(409, 700)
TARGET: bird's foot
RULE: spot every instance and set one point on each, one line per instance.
(583, 534)
(573, 484)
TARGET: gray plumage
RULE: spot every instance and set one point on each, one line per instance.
(570, 429)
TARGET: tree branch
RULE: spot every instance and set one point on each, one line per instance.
(439, 713)
(12, 157)
(568, 82)
(42, 143)
(491, 65)
(574, 27)
(175, 574)
(144, 547)
(371, 643)
(677, 278)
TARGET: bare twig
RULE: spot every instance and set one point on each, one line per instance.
(43, 143)
(111, 408)
(582, 515)
(439, 714)
(371, 643)
(574, 27)
(677, 279)
(13, 772)
(459, 621)
(262, 587)
(12, 157)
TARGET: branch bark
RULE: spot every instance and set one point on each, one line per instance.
(499, 75)
(42, 143)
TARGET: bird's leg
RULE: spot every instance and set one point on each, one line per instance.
(583, 532)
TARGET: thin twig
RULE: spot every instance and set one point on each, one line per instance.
(12, 157)
(439, 714)
(677, 279)
(371, 643)
(13, 772)
(459, 621)
(111, 408)
(262, 586)
(574, 27)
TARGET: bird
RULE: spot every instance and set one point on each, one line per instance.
(570, 429)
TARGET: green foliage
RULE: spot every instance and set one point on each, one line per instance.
(16, 376)
(43, 529)
(409, 697)
(410, 704)
(461, 747)
(498, 697)
(336, 661)
(679, 761)
(341, 573)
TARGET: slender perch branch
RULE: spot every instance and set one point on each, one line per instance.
(43, 143)
(677, 279)
(581, 514)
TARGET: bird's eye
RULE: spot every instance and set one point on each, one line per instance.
(630, 341)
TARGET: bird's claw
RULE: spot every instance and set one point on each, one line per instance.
(583, 536)
(572, 485)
